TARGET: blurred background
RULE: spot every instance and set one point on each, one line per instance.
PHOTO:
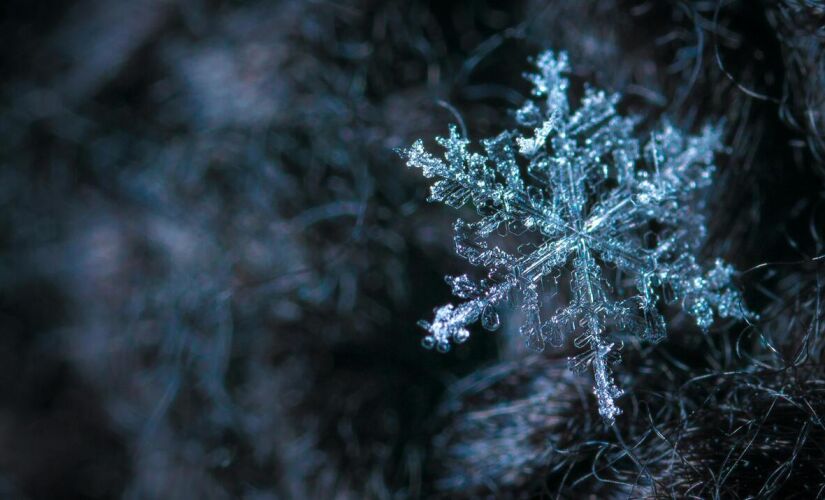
(212, 260)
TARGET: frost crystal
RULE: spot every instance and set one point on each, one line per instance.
(592, 204)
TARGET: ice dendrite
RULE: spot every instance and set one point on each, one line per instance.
(621, 218)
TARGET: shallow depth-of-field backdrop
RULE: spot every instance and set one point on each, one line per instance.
(212, 260)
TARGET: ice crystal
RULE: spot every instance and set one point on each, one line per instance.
(598, 205)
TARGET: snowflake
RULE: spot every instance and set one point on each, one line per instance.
(597, 205)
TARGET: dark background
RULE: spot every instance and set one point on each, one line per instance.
(212, 260)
